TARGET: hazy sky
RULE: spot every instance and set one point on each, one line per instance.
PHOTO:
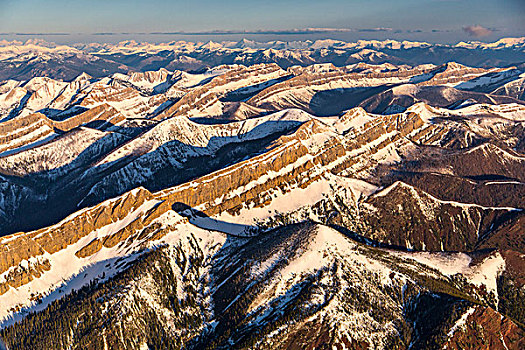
(199, 20)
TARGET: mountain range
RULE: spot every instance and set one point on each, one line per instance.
(244, 195)
(23, 61)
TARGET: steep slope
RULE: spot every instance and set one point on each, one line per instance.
(266, 292)
(468, 78)
(33, 130)
(205, 100)
(329, 93)
(355, 144)
(85, 166)
(513, 88)
(295, 161)
(137, 94)
(400, 97)
(440, 224)
(80, 145)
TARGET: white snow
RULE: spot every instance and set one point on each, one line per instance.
(503, 183)
(449, 264)
(205, 139)
(460, 324)
(396, 184)
(281, 203)
(68, 272)
(45, 139)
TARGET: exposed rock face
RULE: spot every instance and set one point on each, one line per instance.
(200, 100)
(51, 240)
(513, 89)
(416, 215)
(26, 130)
(396, 99)
(483, 328)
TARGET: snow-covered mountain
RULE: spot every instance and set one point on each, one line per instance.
(35, 58)
(376, 203)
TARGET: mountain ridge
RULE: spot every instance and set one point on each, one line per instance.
(363, 205)
(98, 60)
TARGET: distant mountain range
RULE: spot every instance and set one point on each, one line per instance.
(34, 58)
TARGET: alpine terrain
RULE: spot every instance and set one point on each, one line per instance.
(246, 195)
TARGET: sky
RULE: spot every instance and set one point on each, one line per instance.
(445, 21)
